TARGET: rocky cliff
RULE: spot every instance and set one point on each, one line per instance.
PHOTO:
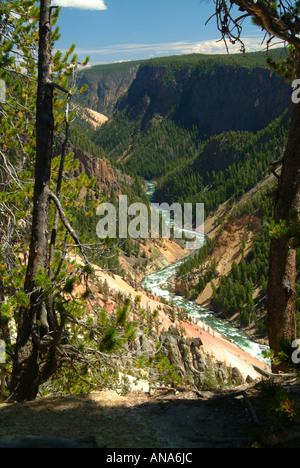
(108, 178)
(105, 85)
(195, 367)
(221, 99)
(215, 94)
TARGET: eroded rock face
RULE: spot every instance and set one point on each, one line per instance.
(106, 86)
(221, 99)
(107, 177)
(194, 367)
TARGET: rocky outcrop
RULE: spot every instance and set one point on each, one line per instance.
(107, 177)
(194, 367)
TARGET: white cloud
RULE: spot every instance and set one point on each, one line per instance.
(133, 51)
(82, 4)
(139, 51)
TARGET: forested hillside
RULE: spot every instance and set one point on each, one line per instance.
(229, 165)
(241, 293)
(108, 83)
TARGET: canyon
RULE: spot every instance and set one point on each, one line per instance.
(218, 351)
(213, 97)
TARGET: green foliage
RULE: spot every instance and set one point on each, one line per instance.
(18, 70)
(285, 68)
(195, 260)
(70, 285)
(288, 231)
(116, 138)
(76, 378)
(162, 148)
(208, 62)
(236, 290)
(110, 341)
(276, 401)
(81, 137)
(87, 339)
(167, 372)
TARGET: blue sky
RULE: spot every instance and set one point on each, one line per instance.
(118, 30)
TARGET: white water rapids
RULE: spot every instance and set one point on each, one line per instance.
(157, 284)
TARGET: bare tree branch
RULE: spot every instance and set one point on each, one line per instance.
(66, 223)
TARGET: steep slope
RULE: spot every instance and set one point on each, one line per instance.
(106, 83)
(228, 165)
(231, 276)
(219, 99)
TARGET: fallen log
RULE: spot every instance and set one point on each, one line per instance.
(265, 373)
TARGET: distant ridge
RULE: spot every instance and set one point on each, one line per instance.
(108, 82)
(250, 59)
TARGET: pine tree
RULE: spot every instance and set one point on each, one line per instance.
(39, 271)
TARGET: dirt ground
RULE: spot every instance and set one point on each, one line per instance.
(219, 419)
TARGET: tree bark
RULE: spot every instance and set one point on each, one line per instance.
(282, 264)
(25, 375)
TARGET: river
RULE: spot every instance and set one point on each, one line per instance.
(158, 284)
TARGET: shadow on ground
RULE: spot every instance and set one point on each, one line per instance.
(163, 420)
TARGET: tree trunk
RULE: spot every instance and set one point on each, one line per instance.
(282, 265)
(25, 376)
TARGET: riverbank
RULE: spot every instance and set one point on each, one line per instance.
(213, 341)
(225, 251)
